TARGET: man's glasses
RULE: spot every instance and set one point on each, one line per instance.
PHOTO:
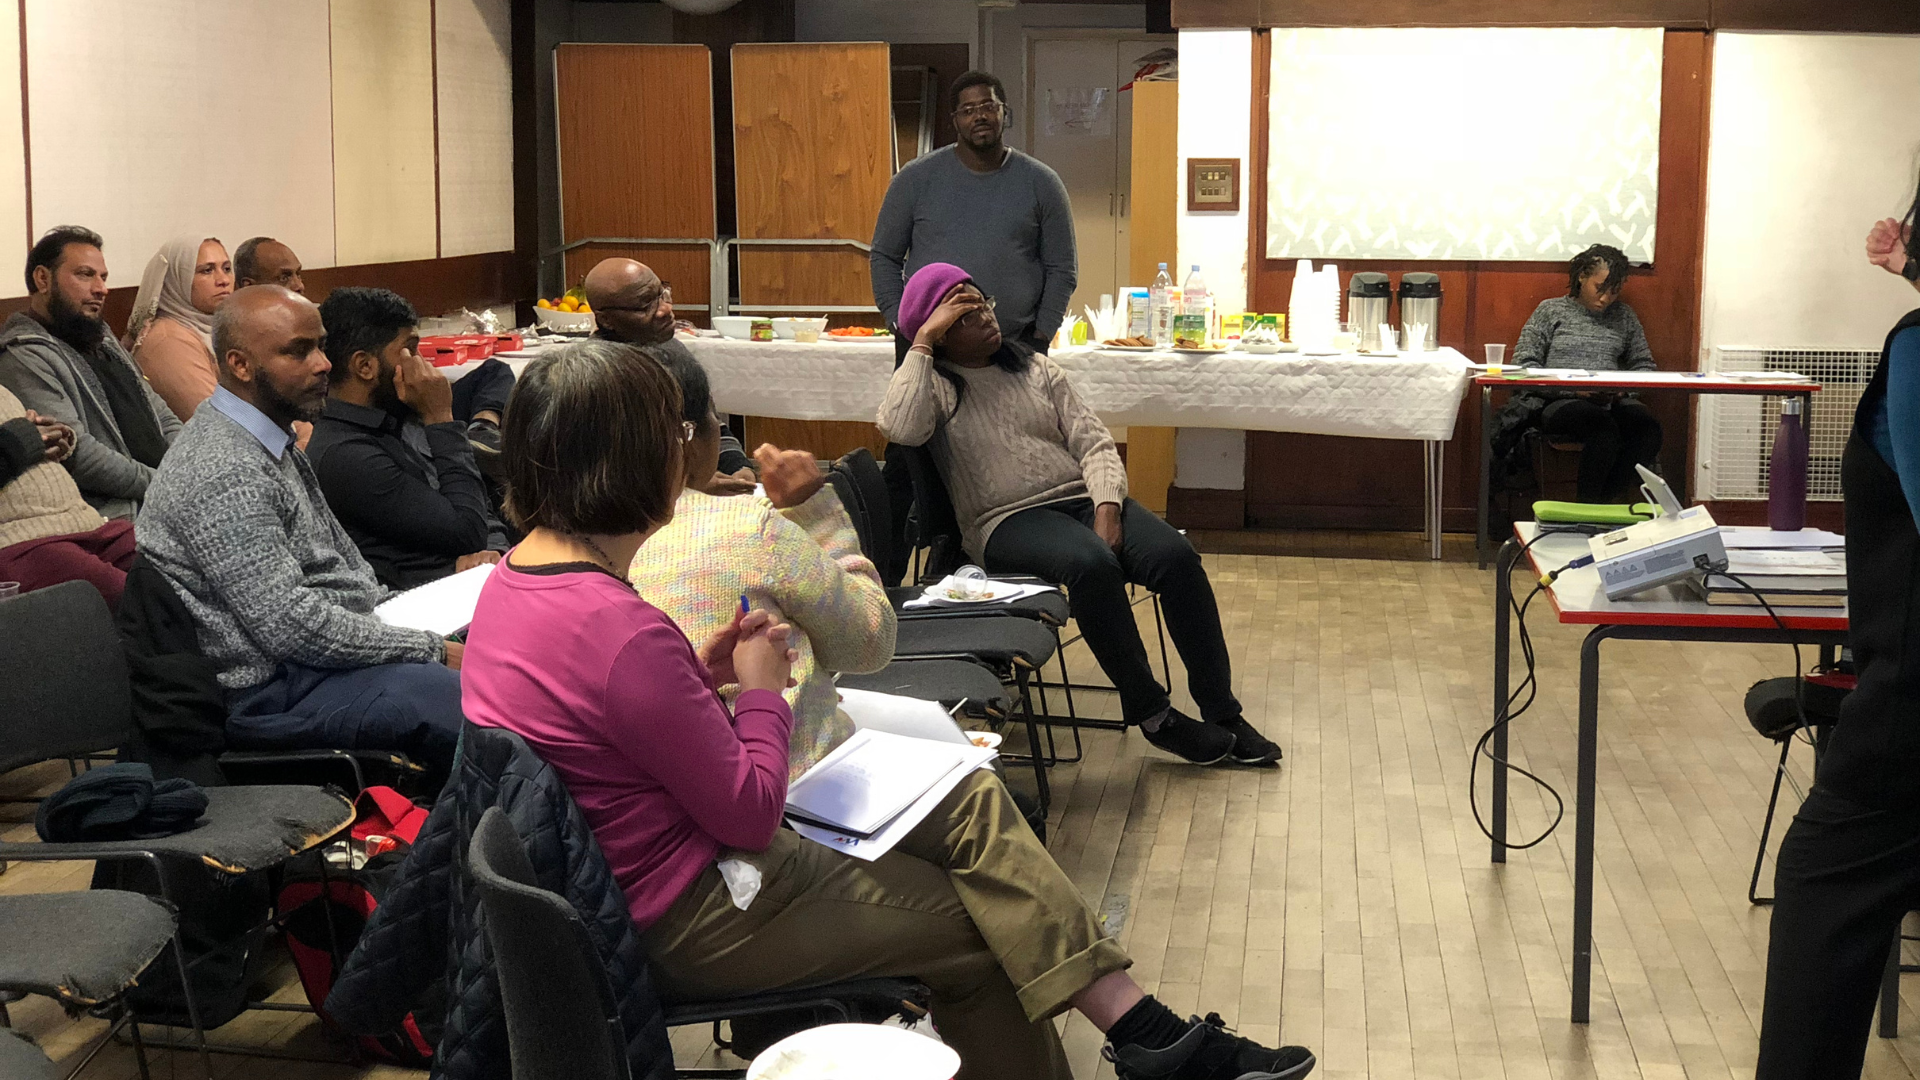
(977, 110)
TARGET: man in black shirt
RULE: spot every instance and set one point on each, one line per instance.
(395, 465)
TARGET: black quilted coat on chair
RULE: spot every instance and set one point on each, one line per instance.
(429, 923)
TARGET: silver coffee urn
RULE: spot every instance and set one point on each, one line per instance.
(1369, 300)
(1420, 308)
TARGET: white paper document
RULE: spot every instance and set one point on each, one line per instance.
(1767, 561)
(869, 773)
(1737, 536)
(896, 715)
(444, 606)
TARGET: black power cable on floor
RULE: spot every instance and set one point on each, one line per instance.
(1513, 709)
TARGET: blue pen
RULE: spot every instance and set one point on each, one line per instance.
(743, 604)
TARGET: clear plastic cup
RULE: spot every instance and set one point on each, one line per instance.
(1496, 355)
(971, 582)
(9, 590)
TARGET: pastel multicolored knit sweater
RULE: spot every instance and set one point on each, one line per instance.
(802, 564)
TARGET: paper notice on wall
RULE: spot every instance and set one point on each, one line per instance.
(1079, 111)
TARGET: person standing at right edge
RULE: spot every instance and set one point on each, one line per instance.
(1849, 867)
(980, 204)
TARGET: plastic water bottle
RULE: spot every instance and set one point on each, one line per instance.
(1195, 321)
(1787, 472)
(1160, 308)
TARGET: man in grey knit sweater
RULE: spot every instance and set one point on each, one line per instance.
(236, 522)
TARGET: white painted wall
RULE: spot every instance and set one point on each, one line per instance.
(1216, 101)
(1813, 137)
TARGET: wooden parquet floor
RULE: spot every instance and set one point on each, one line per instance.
(1345, 901)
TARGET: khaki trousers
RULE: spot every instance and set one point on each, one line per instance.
(969, 903)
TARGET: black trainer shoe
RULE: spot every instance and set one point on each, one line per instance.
(1183, 736)
(1208, 1051)
(484, 435)
(1249, 746)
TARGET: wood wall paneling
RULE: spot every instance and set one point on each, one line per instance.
(1154, 222)
(637, 157)
(474, 105)
(748, 20)
(1841, 16)
(813, 154)
(384, 189)
(812, 158)
(137, 150)
(1368, 483)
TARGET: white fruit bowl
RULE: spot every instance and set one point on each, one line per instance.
(566, 322)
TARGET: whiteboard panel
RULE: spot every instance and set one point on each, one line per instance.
(1813, 138)
(383, 174)
(150, 120)
(1496, 144)
(13, 166)
(476, 126)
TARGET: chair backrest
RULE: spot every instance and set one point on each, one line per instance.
(875, 508)
(934, 517)
(65, 690)
(561, 1018)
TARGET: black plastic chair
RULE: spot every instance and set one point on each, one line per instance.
(1772, 710)
(561, 1022)
(66, 695)
(84, 950)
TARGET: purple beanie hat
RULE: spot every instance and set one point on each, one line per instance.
(925, 289)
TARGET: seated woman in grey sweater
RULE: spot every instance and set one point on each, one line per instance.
(1040, 489)
(1593, 329)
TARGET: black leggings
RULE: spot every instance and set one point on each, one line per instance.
(1057, 542)
(1617, 437)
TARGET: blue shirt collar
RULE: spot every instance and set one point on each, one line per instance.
(270, 434)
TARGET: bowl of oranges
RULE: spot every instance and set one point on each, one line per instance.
(571, 314)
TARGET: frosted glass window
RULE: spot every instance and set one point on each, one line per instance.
(1490, 144)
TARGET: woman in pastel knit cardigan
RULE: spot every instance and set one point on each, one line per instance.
(793, 554)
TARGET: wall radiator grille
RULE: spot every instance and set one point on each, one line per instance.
(1738, 430)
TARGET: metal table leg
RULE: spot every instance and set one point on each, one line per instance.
(1583, 815)
(1486, 476)
(1502, 635)
(1435, 459)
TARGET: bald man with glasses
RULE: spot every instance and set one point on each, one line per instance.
(633, 306)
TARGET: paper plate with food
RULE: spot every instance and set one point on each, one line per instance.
(1140, 343)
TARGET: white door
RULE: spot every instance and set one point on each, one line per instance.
(1080, 124)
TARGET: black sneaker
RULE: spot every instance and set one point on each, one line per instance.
(1183, 736)
(1208, 1051)
(484, 435)
(1249, 746)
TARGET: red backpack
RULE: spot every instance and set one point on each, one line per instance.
(385, 825)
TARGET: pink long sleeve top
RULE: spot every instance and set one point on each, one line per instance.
(606, 689)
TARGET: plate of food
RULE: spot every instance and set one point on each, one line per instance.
(1199, 350)
(950, 592)
(859, 333)
(1128, 344)
(989, 740)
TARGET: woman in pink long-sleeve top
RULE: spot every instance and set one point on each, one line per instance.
(607, 690)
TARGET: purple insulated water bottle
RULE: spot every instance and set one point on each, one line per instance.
(1787, 474)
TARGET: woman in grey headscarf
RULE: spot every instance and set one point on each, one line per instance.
(171, 332)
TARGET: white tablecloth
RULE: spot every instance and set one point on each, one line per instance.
(1412, 396)
(1415, 396)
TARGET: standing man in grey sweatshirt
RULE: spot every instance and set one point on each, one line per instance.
(983, 205)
